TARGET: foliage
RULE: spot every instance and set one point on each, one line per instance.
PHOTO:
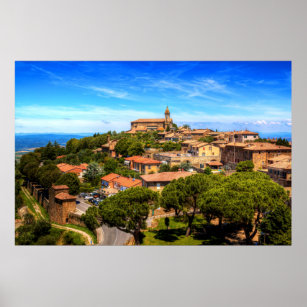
(170, 146)
(135, 149)
(72, 181)
(48, 175)
(208, 171)
(174, 168)
(283, 142)
(276, 226)
(185, 166)
(166, 222)
(90, 218)
(93, 173)
(164, 168)
(206, 139)
(27, 158)
(245, 166)
(182, 194)
(73, 238)
(30, 170)
(128, 210)
(110, 166)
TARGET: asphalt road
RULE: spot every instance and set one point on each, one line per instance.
(82, 206)
(113, 236)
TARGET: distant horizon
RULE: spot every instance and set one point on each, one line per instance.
(71, 96)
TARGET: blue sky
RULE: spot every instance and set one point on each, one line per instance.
(81, 97)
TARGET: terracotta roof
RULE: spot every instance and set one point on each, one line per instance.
(67, 168)
(127, 182)
(83, 166)
(160, 129)
(242, 132)
(215, 163)
(280, 165)
(110, 177)
(60, 187)
(65, 196)
(59, 157)
(149, 120)
(280, 158)
(142, 160)
(236, 144)
(265, 146)
(165, 176)
(200, 144)
(196, 131)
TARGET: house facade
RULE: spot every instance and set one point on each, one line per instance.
(142, 165)
(157, 182)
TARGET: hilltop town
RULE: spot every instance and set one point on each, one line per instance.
(177, 179)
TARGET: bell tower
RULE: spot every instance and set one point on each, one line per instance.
(167, 116)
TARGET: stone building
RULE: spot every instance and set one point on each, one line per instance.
(61, 204)
(142, 165)
(146, 124)
(157, 182)
(257, 152)
(242, 136)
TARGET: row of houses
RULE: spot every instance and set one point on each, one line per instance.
(79, 170)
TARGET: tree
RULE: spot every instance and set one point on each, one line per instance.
(164, 168)
(121, 147)
(72, 181)
(208, 170)
(276, 226)
(186, 126)
(174, 168)
(30, 170)
(27, 158)
(249, 196)
(245, 166)
(49, 152)
(110, 166)
(135, 149)
(207, 139)
(128, 210)
(48, 174)
(166, 222)
(28, 219)
(282, 142)
(92, 172)
(182, 194)
(90, 218)
(72, 146)
(185, 165)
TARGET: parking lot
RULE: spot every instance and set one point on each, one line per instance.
(86, 200)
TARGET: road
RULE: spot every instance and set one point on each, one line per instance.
(113, 236)
(82, 206)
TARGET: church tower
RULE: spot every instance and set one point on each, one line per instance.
(167, 116)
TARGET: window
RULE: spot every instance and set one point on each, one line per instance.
(149, 166)
(158, 186)
(254, 136)
(245, 136)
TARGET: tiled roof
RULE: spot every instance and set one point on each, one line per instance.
(60, 187)
(200, 144)
(127, 182)
(196, 131)
(67, 168)
(265, 146)
(242, 132)
(280, 158)
(110, 177)
(215, 163)
(59, 157)
(65, 196)
(142, 160)
(165, 176)
(149, 120)
(280, 165)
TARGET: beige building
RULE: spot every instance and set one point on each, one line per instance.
(157, 182)
(147, 124)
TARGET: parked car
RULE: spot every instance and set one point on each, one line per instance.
(88, 197)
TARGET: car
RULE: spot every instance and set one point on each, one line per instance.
(88, 197)
(77, 202)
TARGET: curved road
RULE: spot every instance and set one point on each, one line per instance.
(114, 236)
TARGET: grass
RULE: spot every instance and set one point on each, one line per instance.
(89, 232)
(28, 203)
(202, 233)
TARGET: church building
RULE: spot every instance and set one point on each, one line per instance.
(146, 124)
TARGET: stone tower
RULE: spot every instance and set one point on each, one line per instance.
(167, 117)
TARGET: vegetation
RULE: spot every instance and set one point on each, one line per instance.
(276, 226)
(128, 210)
(207, 139)
(283, 142)
(245, 166)
(170, 146)
(73, 238)
(90, 218)
(72, 181)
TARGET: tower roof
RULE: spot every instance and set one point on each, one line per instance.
(167, 110)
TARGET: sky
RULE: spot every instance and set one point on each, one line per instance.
(89, 97)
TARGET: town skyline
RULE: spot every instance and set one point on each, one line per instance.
(86, 97)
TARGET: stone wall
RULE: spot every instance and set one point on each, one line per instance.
(75, 219)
